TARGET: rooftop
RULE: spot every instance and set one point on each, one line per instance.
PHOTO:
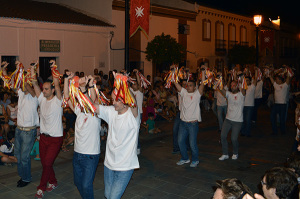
(46, 12)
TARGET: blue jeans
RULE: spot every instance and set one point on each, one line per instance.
(23, 144)
(281, 110)
(84, 169)
(221, 110)
(257, 103)
(247, 116)
(188, 130)
(115, 182)
(236, 127)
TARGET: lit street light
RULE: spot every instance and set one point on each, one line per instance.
(257, 21)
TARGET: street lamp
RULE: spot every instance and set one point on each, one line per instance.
(257, 22)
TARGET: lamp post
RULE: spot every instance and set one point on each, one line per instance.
(257, 22)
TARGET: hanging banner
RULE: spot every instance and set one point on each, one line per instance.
(139, 16)
(267, 39)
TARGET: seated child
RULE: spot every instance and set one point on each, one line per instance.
(7, 148)
(68, 138)
(151, 124)
(35, 149)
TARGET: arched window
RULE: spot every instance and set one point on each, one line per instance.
(243, 35)
(202, 60)
(231, 35)
(206, 30)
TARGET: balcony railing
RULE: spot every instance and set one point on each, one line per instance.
(220, 47)
(231, 44)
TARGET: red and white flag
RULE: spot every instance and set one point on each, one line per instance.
(139, 16)
(267, 39)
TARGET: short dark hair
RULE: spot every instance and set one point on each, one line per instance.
(150, 115)
(233, 188)
(10, 135)
(294, 163)
(50, 82)
(14, 99)
(284, 181)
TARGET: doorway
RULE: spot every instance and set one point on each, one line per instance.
(44, 66)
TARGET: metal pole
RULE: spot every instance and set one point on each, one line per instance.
(126, 35)
(257, 52)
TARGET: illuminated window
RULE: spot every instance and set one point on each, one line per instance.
(206, 30)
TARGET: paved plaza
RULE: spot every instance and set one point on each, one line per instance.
(160, 177)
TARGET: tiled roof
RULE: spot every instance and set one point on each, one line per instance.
(46, 12)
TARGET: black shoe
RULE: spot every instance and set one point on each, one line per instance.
(23, 184)
(19, 181)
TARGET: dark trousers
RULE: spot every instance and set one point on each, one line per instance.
(281, 110)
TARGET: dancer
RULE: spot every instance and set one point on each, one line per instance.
(87, 138)
(121, 155)
(25, 133)
(190, 115)
(51, 138)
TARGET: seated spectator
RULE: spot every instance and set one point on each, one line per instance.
(231, 189)
(280, 183)
(12, 111)
(35, 149)
(293, 163)
(150, 124)
(103, 135)
(68, 138)
(7, 149)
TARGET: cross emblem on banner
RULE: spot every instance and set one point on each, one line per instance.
(139, 12)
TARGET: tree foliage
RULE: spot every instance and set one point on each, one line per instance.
(164, 49)
(242, 55)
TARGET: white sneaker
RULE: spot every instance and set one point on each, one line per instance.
(138, 151)
(223, 157)
(181, 162)
(235, 156)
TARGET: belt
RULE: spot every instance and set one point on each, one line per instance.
(46, 135)
(26, 128)
(192, 121)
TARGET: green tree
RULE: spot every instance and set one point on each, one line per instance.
(242, 55)
(164, 50)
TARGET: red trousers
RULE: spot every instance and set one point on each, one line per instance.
(49, 149)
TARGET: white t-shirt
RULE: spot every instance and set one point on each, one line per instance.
(221, 100)
(235, 106)
(249, 97)
(51, 116)
(139, 96)
(258, 89)
(122, 139)
(87, 133)
(280, 93)
(190, 106)
(27, 110)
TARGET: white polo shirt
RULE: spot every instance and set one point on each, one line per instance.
(250, 95)
(27, 110)
(87, 133)
(235, 106)
(51, 116)
(190, 106)
(280, 92)
(122, 139)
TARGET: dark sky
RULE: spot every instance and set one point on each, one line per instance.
(288, 11)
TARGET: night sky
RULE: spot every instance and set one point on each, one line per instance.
(288, 11)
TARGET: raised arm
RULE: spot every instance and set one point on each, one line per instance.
(36, 87)
(138, 80)
(66, 89)
(134, 110)
(288, 79)
(201, 87)
(255, 77)
(30, 90)
(91, 87)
